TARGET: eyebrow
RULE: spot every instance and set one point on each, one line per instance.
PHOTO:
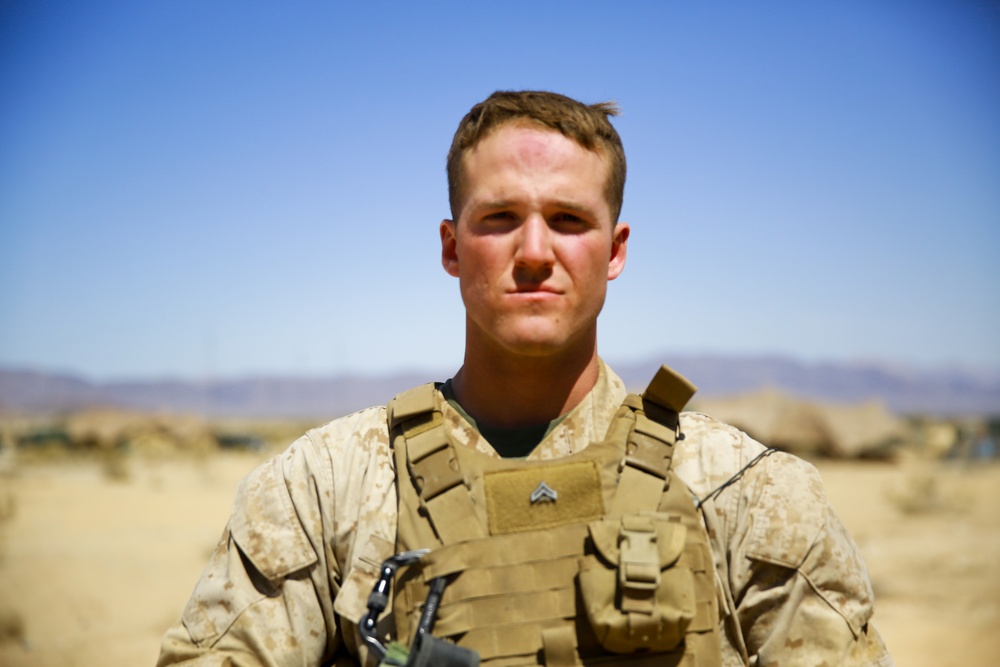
(571, 206)
(496, 203)
(506, 203)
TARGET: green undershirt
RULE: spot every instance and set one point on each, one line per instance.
(510, 443)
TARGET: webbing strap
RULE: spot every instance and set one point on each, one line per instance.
(705, 617)
(637, 491)
(505, 642)
(650, 447)
(442, 486)
(524, 548)
(411, 403)
(505, 579)
(560, 646)
(454, 516)
(433, 463)
(532, 608)
(645, 470)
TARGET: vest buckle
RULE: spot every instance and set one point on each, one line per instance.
(434, 465)
(639, 564)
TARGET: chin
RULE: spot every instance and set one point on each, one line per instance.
(538, 350)
(535, 345)
(529, 337)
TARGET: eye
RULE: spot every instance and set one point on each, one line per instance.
(497, 220)
(499, 215)
(568, 222)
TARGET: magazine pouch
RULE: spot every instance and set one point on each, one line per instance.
(638, 592)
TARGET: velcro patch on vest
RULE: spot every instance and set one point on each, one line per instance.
(543, 497)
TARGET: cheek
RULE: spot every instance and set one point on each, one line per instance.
(590, 264)
(481, 261)
(475, 272)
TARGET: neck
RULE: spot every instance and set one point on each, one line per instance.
(508, 390)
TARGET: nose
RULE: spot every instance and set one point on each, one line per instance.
(535, 244)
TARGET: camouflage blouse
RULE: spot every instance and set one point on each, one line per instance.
(291, 575)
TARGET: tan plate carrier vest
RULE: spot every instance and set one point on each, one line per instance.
(592, 559)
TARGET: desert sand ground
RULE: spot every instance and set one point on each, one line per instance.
(95, 565)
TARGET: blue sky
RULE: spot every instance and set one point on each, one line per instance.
(229, 188)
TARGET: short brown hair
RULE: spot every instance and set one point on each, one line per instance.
(586, 124)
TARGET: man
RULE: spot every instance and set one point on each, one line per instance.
(734, 557)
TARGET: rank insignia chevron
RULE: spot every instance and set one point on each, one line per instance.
(544, 493)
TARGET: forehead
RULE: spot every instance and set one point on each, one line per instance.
(532, 141)
(524, 150)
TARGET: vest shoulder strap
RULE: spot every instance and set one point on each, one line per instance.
(669, 389)
(645, 470)
(422, 450)
(411, 403)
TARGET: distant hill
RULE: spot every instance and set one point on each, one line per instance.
(903, 390)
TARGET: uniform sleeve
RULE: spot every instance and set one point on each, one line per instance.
(266, 595)
(802, 591)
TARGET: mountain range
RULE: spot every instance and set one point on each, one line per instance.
(904, 390)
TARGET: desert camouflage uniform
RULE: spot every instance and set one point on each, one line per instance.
(313, 525)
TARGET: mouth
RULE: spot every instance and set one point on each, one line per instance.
(534, 288)
(534, 296)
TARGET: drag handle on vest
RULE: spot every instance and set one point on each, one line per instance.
(379, 598)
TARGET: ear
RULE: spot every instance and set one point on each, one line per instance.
(449, 247)
(619, 249)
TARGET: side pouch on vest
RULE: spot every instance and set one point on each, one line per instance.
(638, 594)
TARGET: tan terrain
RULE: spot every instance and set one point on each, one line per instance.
(96, 560)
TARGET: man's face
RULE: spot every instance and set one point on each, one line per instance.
(533, 247)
